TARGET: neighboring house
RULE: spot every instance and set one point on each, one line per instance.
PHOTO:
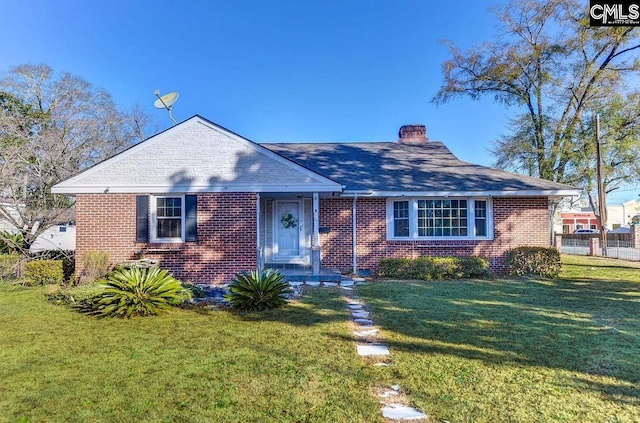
(57, 237)
(208, 203)
(573, 221)
(621, 214)
(618, 215)
(60, 236)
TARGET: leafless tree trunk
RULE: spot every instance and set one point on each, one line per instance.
(51, 127)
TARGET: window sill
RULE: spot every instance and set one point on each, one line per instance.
(162, 250)
(440, 242)
(163, 247)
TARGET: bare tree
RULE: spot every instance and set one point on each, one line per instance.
(52, 126)
(555, 69)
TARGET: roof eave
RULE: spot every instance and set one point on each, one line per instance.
(163, 189)
(505, 193)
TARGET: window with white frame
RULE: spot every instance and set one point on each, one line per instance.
(168, 219)
(480, 211)
(439, 218)
(442, 218)
(400, 218)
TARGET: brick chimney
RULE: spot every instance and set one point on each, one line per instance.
(412, 134)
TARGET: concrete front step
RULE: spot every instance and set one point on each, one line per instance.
(326, 284)
(303, 276)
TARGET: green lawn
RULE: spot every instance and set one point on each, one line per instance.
(297, 364)
(517, 351)
(473, 351)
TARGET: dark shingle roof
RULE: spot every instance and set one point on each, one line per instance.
(391, 166)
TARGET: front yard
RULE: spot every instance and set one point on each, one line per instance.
(521, 351)
(464, 351)
(291, 365)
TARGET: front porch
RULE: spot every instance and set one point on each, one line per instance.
(288, 236)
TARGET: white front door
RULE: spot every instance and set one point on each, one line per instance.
(288, 231)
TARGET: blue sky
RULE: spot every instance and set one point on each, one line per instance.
(272, 70)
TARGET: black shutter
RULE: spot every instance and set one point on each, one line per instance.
(190, 217)
(142, 218)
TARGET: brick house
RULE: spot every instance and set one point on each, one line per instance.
(208, 203)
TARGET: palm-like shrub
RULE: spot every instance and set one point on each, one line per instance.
(11, 243)
(255, 291)
(142, 292)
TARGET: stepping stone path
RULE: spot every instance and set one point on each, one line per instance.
(393, 403)
(402, 412)
(373, 349)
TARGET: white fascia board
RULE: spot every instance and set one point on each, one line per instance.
(523, 193)
(84, 189)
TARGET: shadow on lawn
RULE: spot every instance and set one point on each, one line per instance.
(588, 326)
(317, 306)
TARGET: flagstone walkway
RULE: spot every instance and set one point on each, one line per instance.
(393, 400)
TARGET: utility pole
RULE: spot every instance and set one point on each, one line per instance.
(602, 218)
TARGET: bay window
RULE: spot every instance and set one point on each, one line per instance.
(439, 218)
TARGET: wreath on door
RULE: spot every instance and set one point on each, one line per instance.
(288, 221)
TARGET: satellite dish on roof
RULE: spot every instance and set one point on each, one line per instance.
(166, 102)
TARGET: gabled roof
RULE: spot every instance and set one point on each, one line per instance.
(196, 156)
(425, 168)
(200, 156)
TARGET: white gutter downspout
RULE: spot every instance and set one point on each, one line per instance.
(355, 234)
(258, 249)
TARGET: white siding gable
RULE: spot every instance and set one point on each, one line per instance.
(196, 156)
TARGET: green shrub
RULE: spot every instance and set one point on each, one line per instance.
(9, 264)
(95, 265)
(255, 291)
(42, 272)
(534, 261)
(474, 267)
(391, 267)
(420, 268)
(141, 292)
(68, 258)
(434, 268)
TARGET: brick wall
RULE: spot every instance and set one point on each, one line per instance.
(227, 242)
(226, 235)
(337, 245)
(517, 221)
